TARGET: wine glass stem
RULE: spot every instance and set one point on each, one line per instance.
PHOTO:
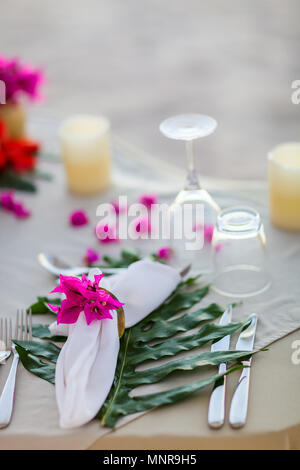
(192, 181)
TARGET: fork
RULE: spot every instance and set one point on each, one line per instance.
(23, 332)
(5, 334)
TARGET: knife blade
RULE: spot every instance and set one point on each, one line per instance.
(239, 403)
(216, 407)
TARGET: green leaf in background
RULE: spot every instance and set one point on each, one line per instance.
(38, 174)
(127, 257)
(168, 331)
(35, 365)
(43, 332)
(11, 180)
(45, 350)
(41, 306)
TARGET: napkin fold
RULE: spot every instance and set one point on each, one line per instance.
(86, 365)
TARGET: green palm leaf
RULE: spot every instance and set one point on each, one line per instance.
(158, 336)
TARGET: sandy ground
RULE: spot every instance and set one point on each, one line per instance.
(139, 61)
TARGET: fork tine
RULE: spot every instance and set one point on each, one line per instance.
(17, 325)
(5, 333)
(30, 325)
(22, 326)
(10, 334)
(26, 332)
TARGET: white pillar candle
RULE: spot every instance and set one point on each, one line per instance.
(284, 185)
(85, 142)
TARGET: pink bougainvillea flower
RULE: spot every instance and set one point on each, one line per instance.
(165, 253)
(83, 295)
(54, 308)
(9, 203)
(119, 209)
(143, 225)
(106, 233)
(20, 79)
(207, 229)
(78, 218)
(91, 256)
(95, 311)
(148, 200)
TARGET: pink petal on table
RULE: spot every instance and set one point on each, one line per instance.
(164, 253)
(78, 218)
(119, 209)
(7, 200)
(91, 256)
(20, 211)
(8, 203)
(148, 200)
(219, 247)
(143, 225)
(208, 231)
(106, 233)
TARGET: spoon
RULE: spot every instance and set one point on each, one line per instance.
(56, 266)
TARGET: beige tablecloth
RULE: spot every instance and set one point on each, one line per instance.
(274, 415)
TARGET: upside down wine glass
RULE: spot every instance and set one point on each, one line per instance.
(193, 213)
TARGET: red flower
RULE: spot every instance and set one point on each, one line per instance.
(21, 153)
(18, 154)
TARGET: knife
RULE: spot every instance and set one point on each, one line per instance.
(216, 408)
(239, 403)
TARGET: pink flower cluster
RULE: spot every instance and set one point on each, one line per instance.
(10, 204)
(19, 79)
(83, 295)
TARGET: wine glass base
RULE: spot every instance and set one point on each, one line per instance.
(188, 126)
(197, 195)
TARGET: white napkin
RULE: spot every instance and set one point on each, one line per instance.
(86, 365)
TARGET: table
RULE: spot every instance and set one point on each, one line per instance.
(274, 409)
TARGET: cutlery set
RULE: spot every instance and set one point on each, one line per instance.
(239, 403)
(22, 332)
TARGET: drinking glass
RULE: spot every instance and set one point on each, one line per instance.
(239, 244)
(193, 212)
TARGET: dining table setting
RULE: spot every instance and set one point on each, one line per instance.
(121, 329)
